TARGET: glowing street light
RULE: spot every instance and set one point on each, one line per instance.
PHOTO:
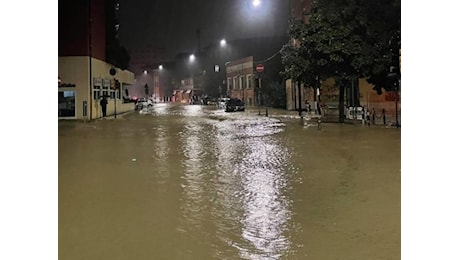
(160, 67)
(145, 72)
(256, 3)
(223, 43)
(192, 57)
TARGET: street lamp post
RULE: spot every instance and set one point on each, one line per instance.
(160, 69)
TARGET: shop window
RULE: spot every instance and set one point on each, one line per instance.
(66, 103)
(97, 88)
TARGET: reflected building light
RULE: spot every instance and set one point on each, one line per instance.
(193, 180)
(266, 209)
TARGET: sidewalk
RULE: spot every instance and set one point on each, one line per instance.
(328, 118)
(111, 117)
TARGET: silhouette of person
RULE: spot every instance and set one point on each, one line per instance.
(104, 106)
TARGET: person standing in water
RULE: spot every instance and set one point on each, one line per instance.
(104, 106)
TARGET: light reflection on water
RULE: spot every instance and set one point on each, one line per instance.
(234, 183)
(214, 185)
(160, 109)
(252, 181)
(266, 211)
(161, 151)
(193, 176)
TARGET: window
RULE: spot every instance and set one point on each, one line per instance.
(105, 88)
(229, 83)
(97, 88)
(249, 81)
(241, 82)
(235, 83)
(66, 103)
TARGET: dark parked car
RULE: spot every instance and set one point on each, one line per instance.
(234, 105)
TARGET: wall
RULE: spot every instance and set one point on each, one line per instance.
(75, 70)
(73, 29)
(242, 68)
(292, 94)
(368, 97)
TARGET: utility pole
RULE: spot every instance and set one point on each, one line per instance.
(260, 89)
(90, 62)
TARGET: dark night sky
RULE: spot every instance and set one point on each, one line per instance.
(172, 24)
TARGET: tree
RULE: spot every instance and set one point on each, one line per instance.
(275, 94)
(344, 40)
(384, 35)
(337, 33)
(296, 56)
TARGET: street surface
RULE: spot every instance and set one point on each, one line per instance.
(194, 182)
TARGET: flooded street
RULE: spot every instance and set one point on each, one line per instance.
(194, 182)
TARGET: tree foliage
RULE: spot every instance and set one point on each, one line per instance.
(275, 94)
(345, 39)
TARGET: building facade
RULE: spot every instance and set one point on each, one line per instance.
(84, 75)
(240, 80)
(359, 93)
(188, 91)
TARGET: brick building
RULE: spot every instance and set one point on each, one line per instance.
(240, 80)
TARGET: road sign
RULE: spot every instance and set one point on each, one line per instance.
(260, 68)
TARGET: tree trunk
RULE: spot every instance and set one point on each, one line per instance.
(357, 102)
(341, 102)
(314, 99)
(318, 96)
(300, 97)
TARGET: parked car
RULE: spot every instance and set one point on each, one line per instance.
(143, 103)
(234, 105)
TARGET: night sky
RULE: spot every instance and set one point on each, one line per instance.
(173, 24)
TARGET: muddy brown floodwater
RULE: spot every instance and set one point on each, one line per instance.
(194, 182)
